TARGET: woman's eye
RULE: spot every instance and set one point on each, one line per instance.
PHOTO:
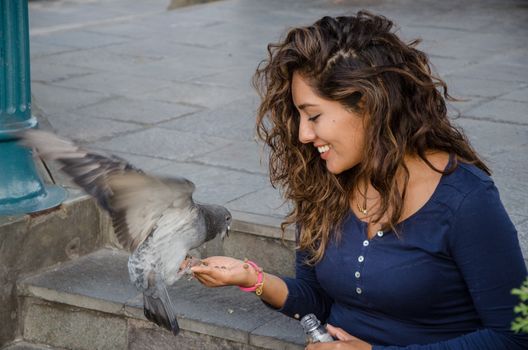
(314, 118)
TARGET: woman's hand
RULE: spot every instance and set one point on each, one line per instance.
(218, 271)
(344, 341)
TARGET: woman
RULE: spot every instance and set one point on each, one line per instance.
(403, 241)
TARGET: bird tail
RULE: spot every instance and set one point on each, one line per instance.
(159, 309)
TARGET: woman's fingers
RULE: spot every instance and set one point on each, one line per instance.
(211, 276)
(214, 262)
(200, 269)
(208, 269)
(322, 346)
(206, 280)
(339, 333)
(223, 271)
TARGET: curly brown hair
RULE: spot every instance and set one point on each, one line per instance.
(359, 62)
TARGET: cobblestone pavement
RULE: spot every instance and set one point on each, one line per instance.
(170, 90)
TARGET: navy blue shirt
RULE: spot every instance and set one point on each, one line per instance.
(443, 284)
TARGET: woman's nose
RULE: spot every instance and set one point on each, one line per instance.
(306, 131)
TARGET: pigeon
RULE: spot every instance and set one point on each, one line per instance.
(154, 218)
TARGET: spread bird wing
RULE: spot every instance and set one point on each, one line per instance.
(134, 199)
(139, 200)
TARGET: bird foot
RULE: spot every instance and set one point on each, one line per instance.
(185, 267)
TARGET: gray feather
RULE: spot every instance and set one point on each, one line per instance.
(158, 307)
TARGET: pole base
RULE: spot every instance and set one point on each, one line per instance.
(21, 189)
(52, 196)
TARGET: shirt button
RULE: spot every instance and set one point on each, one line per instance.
(361, 258)
(380, 233)
(358, 290)
(357, 274)
(365, 243)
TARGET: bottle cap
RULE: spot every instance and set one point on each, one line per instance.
(309, 322)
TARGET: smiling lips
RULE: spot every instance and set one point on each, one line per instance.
(323, 150)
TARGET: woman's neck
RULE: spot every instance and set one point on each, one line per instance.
(422, 181)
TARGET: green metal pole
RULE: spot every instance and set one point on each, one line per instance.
(21, 188)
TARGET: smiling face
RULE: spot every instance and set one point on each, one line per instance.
(337, 132)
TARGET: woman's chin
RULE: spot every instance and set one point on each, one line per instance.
(337, 169)
(333, 170)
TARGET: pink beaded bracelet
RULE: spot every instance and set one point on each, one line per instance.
(257, 288)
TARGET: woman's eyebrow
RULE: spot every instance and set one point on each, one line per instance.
(304, 105)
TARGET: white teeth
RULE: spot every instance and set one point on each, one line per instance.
(323, 149)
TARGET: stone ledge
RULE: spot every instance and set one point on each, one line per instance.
(35, 241)
(69, 327)
(20, 345)
(98, 283)
(261, 225)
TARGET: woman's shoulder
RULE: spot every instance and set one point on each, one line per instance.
(465, 182)
(460, 178)
(467, 188)
(467, 178)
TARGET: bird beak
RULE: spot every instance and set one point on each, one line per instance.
(226, 233)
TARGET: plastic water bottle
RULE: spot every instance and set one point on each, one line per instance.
(315, 331)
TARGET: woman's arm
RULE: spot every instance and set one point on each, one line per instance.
(275, 291)
(294, 297)
(219, 271)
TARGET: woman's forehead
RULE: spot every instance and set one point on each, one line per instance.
(303, 94)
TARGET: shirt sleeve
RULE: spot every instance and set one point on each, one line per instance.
(305, 294)
(485, 247)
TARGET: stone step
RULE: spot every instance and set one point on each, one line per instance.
(89, 303)
(31, 242)
(28, 346)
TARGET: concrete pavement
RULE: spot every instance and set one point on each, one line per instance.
(169, 90)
